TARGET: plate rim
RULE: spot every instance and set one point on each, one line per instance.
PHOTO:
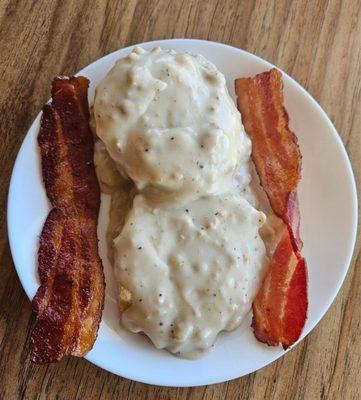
(341, 147)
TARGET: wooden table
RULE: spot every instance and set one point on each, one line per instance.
(316, 42)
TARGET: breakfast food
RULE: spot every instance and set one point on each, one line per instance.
(169, 124)
(189, 270)
(188, 256)
(70, 298)
(194, 242)
(275, 151)
(280, 308)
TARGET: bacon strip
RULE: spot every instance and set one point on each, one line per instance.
(69, 301)
(274, 147)
(280, 307)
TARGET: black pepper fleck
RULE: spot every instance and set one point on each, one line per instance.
(172, 138)
(161, 323)
(140, 248)
(187, 210)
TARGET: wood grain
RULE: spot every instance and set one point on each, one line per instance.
(316, 42)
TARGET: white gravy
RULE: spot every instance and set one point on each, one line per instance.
(168, 121)
(189, 251)
(192, 271)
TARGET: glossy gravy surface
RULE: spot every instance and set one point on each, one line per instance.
(187, 249)
(169, 123)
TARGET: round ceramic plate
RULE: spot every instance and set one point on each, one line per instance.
(328, 206)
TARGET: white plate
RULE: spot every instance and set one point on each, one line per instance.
(328, 205)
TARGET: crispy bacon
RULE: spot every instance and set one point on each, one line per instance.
(274, 147)
(70, 298)
(280, 307)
